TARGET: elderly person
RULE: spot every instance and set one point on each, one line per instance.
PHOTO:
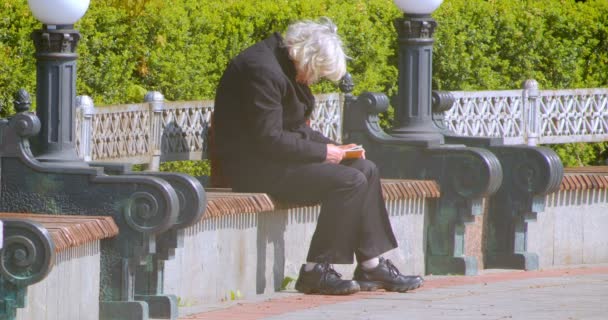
(264, 144)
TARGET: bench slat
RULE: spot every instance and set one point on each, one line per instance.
(588, 169)
(584, 182)
(222, 201)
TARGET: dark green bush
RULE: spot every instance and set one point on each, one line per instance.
(582, 154)
(193, 168)
(483, 45)
(17, 64)
(180, 47)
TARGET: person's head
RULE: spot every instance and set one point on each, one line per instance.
(316, 50)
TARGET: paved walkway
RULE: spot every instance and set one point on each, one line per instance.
(579, 293)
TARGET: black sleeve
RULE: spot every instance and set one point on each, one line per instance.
(265, 114)
(315, 135)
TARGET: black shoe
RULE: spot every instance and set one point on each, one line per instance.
(386, 276)
(323, 279)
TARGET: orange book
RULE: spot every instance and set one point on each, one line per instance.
(355, 152)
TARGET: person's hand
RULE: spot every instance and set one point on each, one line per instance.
(335, 154)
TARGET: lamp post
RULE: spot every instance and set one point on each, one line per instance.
(56, 58)
(413, 118)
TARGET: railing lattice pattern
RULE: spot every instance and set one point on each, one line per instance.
(138, 133)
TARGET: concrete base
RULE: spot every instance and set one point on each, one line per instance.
(452, 265)
(123, 310)
(524, 261)
(161, 307)
(571, 230)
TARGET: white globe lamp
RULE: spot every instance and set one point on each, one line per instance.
(58, 12)
(418, 6)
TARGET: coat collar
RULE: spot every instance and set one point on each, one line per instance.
(275, 43)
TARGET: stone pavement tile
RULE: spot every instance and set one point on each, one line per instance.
(521, 299)
(577, 293)
(246, 311)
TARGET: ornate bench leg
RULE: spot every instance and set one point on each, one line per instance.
(530, 174)
(117, 287)
(149, 288)
(143, 207)
(149, 277)
(447, 233)
(27, 257)
(161, 306)
(465, 175)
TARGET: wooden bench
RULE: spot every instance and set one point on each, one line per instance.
(249, 243)
(56, 258)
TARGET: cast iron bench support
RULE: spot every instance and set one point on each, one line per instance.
(145, 207)
(465, 175)
(468, 171)
(149, 276)
(530, 174)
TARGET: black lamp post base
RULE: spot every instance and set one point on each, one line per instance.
(62, 156)
(413, 114)
(55, 94)
(412, 134)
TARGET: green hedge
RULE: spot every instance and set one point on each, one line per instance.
(17, 64)
(180, 47)
(499, 44)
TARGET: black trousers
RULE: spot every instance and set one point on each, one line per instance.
(353, 218)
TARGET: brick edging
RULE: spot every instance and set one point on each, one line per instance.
(584, 182)
(68, 231)
(225, 202)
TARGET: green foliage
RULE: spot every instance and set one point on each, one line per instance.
(497, 44)
(235, 295)
(286, 282)
(181, 302)
(181, 47)
(17, 64)
(193, 168)
(582, 154)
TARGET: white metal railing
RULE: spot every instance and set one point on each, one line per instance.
(158, 130)
(531, 116)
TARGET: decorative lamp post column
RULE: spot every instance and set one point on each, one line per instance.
(56, 58)
(413, 119)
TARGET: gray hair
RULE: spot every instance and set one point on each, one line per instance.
(316, 50)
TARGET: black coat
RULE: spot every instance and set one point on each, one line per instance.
(260, 118)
